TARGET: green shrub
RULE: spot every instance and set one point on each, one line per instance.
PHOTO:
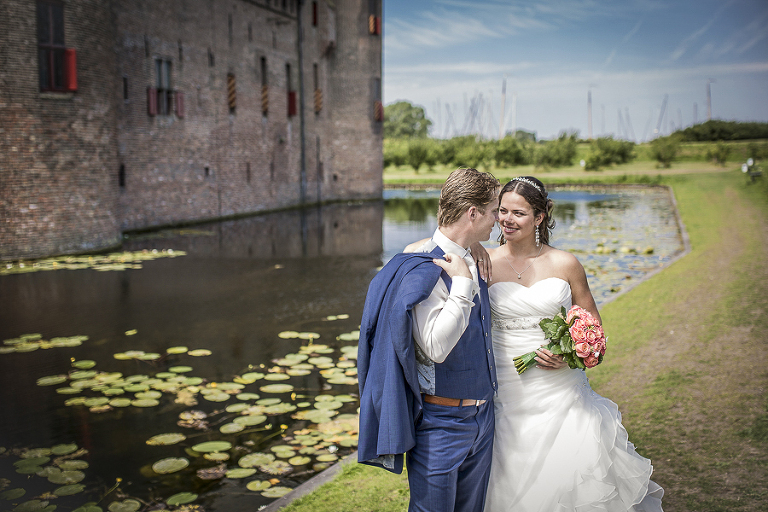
(510, 151)
(605, 151)
(395, 152)
(418, 153)
(719, 153)
(665, 149)
(557, 153)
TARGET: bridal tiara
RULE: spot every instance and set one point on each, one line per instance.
(529, 182)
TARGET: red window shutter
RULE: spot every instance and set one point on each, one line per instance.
(179, 96)
(151, 101)
(378, 25)
(378, 111)
(314, 14)
(291, 103)
(70, 69)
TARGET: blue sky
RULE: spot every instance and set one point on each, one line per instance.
(628, 53)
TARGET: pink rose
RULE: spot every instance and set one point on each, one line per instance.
(575, 311)
(591, 336)
(580, 324)
(582, 349)
(577, 335)
(591, 361)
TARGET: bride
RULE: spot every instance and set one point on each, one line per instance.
(558, 445)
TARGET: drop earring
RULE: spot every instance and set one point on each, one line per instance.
(538, 241)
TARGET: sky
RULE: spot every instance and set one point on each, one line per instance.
(453, 57)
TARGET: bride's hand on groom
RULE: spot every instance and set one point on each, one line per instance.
(546, 360)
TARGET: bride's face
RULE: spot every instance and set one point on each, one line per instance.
(516, 218)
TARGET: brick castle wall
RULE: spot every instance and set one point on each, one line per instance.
(213, 161)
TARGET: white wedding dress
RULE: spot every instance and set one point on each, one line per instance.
(558, 445)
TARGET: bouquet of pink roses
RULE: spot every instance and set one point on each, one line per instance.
(576, 335)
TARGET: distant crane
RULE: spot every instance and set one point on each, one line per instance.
(503, 99)
(661, 114)
(629, 125)
(589, 109)
(709, 99)
(621, 126)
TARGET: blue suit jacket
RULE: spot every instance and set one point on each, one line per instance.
(390, 398)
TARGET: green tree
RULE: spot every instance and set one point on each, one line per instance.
(665, 149)
(401, 119)
(605, 151)
(557, 153)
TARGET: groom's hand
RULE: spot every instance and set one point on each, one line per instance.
(546, 360)
(453, 266)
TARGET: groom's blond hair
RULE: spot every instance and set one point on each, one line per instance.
(464, 188)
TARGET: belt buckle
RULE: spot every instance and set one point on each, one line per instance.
(477, 403)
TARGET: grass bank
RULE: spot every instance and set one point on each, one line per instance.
(687, 362)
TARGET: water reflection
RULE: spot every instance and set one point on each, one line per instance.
(241, 283)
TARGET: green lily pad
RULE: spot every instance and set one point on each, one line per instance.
(212, 446)
(51, 380)
(32, 461)
(308, 335)
(277, 376)
(250, 420)
(268, 401)
(200, 352)
(12, 494)
(177, 350)
(181, 498)
(288, 335)
(192, 381)
(124, 506)
(66, 477)
(240, 472)
(348, 381)
(229, 386)
(149, 356)
(278, 468)
(328, 405)
(151, 395)
(247, 396)
(69, 465)
(325, 398)
(67, 391)
(36, 452)
(145, 402)
(276, 388)
(276, 492)
(279, 409)
(299, 460)
(120, 402)
(136, 388)
(31, 506)
(231, 428)
(216, 397)
(255, 459)
(297, 373)
(237, 407)
(89, 507)
(252, 376)
(216, 456)
(166, 439)
(63, 449)
(165, 375)
(345, 364)
(29, 470)
(170, 465)
(180, 369)
(258, 485)
(69, 490)
(320, 360)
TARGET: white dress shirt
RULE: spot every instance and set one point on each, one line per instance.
(441, 319)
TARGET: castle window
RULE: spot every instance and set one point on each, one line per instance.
(50, 45)
(164, 91)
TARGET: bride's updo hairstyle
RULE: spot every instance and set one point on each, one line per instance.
(533, 191)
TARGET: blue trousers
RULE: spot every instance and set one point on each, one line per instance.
(448, 469)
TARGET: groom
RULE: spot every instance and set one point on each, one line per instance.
(425, 362)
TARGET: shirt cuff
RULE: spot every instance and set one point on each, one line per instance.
(462, 287)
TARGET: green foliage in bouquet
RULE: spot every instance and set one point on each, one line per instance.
(557, 330)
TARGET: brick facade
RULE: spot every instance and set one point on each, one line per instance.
(78, 168)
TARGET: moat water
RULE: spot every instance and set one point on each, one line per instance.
(241, 286)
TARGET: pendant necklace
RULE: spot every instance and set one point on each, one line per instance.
(520, 274)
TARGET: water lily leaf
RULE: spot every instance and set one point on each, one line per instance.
(278, 468)
(328, 457)
(170, 465)
(325, 398)
(131, 332)
(348, 381)
(166, 439)
(31, 506)
(51, 380)
(250, 420)
(216, 456)
(192, 415)
(237, 407)
(32, 461)
(247, 396)
(276, 492)
(83, 374)
(176, 350)
(181, 498)
(149, 356)
(299, 460)
(200, 352)
(308, 450)
(152, 395)
(302, 367)
(240, 472)
(276, 376)
(297, 373)
(145, 402)
(258, 485)
(192, 381)
(216, 397)
(281, 448)
(180, 369)
(213, 473)
(328, 405)
(255, 459)
(165, 375)
(27, 347)
(69, 490)
(69, 465)
(12, 494)
(320, 360)
(279, 409)
(88, 508)
(231, 428)
(253, 376)
(229, 386)
(348, 443)
(66, 477)
(63, 449)
(308, 335)
(124, 506)
(297, 357)
(212, 446)
(288, 335)
(345, 364)
(268, 401)
(276, 388)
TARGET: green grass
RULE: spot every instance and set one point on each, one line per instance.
(686, 364)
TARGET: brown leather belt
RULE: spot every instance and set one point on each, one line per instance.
(451, 402)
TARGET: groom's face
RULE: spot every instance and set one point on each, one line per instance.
(486, 220)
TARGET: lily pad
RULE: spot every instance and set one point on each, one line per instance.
(250, 420)
(237, 407)
(51, 380)
(12, 494)
(297, 373)
(124, 506)
(268, 401)
(200, 352)
(278, 468)
(216, 456)
(176, 350)
(277, 376)
(288, 335)
(152, 395)
(180, 369)
(240, 472)
(181, 498)
(212, 446)
(232, 428)
(63, 449)
(279, 409)
(258, 485)
(31, 506)
(69, 465)
(66, 477)
(299, 460)
(32, 461)
(320, 360)
(255, 459)
(88, 507)
(145, 402)
(276, 492)
(216, 397)
(170, 465)
(276, 388)
(328, 457)
(69, 490)
(166, 439)
(328, 405)
(247, 396)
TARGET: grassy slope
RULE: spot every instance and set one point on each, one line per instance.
(687, 363)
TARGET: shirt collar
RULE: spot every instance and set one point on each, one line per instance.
(448, 245)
